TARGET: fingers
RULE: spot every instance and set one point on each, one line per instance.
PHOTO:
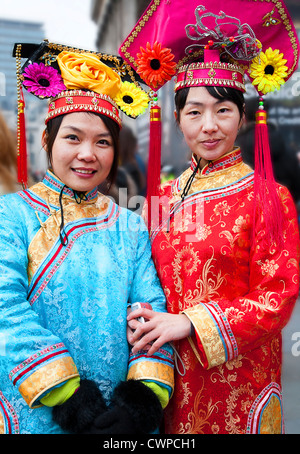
(146, 313)
(150, 348)
(133, 324)
(129, 334)
(141, 342)
(154, 347)
(151, 342)
(145, 336)
(143, 331)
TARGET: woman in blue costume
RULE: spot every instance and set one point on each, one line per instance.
(71, 263)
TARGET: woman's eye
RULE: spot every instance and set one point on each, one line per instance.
(104, 142)
(72, 137)
(194, 112)
(224, 110)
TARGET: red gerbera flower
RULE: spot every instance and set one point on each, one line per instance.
(155, 64)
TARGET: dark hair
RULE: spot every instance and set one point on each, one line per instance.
(52, 129)
(228, 94)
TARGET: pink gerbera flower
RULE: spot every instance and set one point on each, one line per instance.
(43, 81)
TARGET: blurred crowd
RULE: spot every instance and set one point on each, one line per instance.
(285, 160)
(8, 158)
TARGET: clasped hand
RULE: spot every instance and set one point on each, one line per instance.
(159, 328)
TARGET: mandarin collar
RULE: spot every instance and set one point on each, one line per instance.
(55, 184)
(224, 162)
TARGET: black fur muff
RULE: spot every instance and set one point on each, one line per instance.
(79, 412)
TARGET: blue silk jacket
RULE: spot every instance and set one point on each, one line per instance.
(63, 308)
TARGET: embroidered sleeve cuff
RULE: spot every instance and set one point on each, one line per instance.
(42, 372)
(216, 343)
(158, 368)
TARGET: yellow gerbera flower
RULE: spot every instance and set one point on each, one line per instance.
(268, 70)
(131, 99)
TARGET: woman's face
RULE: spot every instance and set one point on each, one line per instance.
(209, 125)
(83, 151)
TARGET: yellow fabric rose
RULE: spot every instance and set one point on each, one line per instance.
(87, 71)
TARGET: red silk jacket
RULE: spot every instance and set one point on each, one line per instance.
(238, 293)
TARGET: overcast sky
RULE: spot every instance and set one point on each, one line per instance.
(65, 21)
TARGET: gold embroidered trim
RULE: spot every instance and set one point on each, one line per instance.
(81, 107)
(144, 370)
(45, 238)
(208, 333)
(213, 180)
(213, 82)
(137, 29)
(271, 418)
(213, 65)
(85, 94)
(45, 378)
(194, 348)
(2, 425)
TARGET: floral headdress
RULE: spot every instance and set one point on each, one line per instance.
(215, 43)
(256, 35)
(75, 80)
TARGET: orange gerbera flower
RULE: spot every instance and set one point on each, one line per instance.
(155, 65)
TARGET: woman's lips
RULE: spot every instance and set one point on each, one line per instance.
(84, 173)
(210, 143)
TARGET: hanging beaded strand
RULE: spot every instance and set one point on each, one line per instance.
(153, 178)
(18, 72)
(21, 134)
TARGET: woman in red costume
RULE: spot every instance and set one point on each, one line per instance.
(226, 249)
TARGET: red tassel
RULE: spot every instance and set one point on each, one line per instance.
(265, 188)
(154, 165)
(22, 148)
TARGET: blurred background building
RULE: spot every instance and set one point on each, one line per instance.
(12, 31)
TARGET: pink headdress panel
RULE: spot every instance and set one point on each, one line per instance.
(215, 43)
(173, 33)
